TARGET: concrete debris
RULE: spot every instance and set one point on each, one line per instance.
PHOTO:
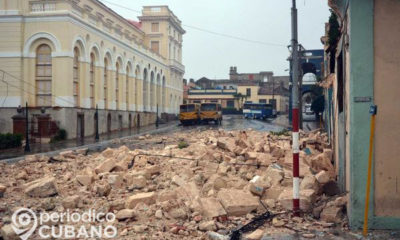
(332, 214)
(135, 181)
(341, 201)
(71, 202)
(259, 184)
(232, 177)
(102, 189)
(44, 187)
(322, 177)
(147, 198)
(207, 226)
(278, 222)
(211, 208)
(106, 166)
(323, 162)
(308, 235)
(256, 235)
(275, 173)
(86, 178)
(125, 214)
(8, 233)
(237, 202)
(159, 214)
(227, 143)
(307, 198)
(309, 182)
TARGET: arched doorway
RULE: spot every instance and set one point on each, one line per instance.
(308, 95)
(80, 127)
(96, 122)
(109, 123)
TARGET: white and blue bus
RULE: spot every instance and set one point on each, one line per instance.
(257, 110)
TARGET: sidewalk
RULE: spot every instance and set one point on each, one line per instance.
(309, 123)
(51, 149)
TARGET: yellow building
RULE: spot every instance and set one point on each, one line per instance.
(71, 56)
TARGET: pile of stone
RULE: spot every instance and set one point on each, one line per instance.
(216, 184)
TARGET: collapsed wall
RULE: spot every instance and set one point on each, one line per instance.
(185, 184)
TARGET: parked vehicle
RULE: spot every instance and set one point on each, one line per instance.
(257, 110)
(211, 112)
(189, 113)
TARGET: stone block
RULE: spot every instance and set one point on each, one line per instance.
(147, 198)
(106, 166)
(125, 214)
(237, 202)
(211, 208)
(44, 187)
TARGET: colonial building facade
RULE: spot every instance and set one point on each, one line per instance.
(69, 56)
(361, 69)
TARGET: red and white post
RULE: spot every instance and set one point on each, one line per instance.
(295, 112)
(296, 172)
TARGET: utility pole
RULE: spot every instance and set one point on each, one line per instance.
(295, 112)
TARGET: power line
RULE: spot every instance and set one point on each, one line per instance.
(206, 30)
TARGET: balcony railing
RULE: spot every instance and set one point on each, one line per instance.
(177, 65)
(212, 91)
(43, 7)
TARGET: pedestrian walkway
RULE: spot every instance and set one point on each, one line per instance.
(50, 148)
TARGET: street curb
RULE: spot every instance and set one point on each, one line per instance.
(91, 147)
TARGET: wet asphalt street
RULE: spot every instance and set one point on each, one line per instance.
(230, 122)
(237, 122)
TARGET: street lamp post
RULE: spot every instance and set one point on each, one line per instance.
(97, 124)
(157, 117)
(27, 147)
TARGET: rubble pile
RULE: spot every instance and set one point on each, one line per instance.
(219, 182)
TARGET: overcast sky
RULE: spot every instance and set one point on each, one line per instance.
(266, 21)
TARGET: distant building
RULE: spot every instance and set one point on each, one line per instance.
(186, 87)
(261, 87)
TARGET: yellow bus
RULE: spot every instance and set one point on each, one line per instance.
(211, 112)
(189, 113)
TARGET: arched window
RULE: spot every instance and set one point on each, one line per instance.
(105, 83)
(145, 97)
(92, 80)
(152, 91)
(158, 89)
(117, 86)
(163, 95)
(76, 77)
(127, 88)
(43, 75)
(135, 87)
